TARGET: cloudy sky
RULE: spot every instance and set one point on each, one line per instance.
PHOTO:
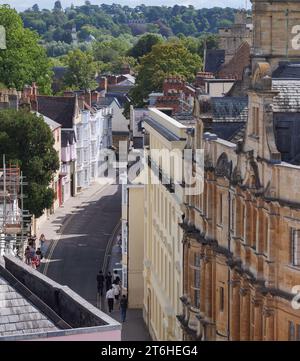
(25, 4)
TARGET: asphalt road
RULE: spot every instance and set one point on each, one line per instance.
(79, 254)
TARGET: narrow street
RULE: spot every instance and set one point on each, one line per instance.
(75, 258)
(81, 241)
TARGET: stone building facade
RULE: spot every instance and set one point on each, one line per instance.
(162, 234)
(231, 37)
(241, 244)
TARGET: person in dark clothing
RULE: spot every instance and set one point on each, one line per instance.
(100, 282)
(108, 281)
(123, 307)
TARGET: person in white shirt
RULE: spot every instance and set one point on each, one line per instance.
(110, 296)
(117, 290)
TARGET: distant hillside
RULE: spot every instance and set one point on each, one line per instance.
(94, 21)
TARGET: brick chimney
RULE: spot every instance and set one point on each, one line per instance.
(88, 97)
(103, 83)
(95, 96)
(81, 100)
(33, 98)
(29, 96)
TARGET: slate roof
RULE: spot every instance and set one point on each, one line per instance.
(214, 59)
(229, 109)
(288, 100)
(121, 97)
(18, 316)
(105, 101)
(51, 123)
(233, 131)
(60, 109)
(287, 70)
(239, 134)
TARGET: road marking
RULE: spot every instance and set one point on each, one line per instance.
(62, 228)
(50, 255)
(108, 247)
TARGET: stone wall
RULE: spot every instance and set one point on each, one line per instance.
(67, 304)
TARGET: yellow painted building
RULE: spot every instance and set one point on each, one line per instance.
(163, 237)
(133, 244)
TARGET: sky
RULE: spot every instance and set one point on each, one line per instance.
(25, 4)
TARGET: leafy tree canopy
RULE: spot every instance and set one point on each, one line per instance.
(170, 58)
(27, 140)
(144, 45)
(81, 70)
(24, 60)
(116, 20)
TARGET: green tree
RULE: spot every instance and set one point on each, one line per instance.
(36, 8)
(27, 140)
(24, 60)
(117, 65)
(171, 58)
(82, 70)
(57, 6)
(144, 45)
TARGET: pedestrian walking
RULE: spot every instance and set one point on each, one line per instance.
(123, 307)
(117, 290)
(35, 262)
(31, 253)
(110, 299)
(108, 281)
(27, 255)
(100, 282)
(116, 277)
(42, 240)
(38, 253)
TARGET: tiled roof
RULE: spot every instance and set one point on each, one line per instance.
(18, 316)
(234, 69)
(229, 109)
(214, 59)
(60, 109)
(288, 100)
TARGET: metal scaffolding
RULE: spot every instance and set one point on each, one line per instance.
(13, 225)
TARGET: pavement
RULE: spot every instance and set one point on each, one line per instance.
(81, 240)
(134, 328)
